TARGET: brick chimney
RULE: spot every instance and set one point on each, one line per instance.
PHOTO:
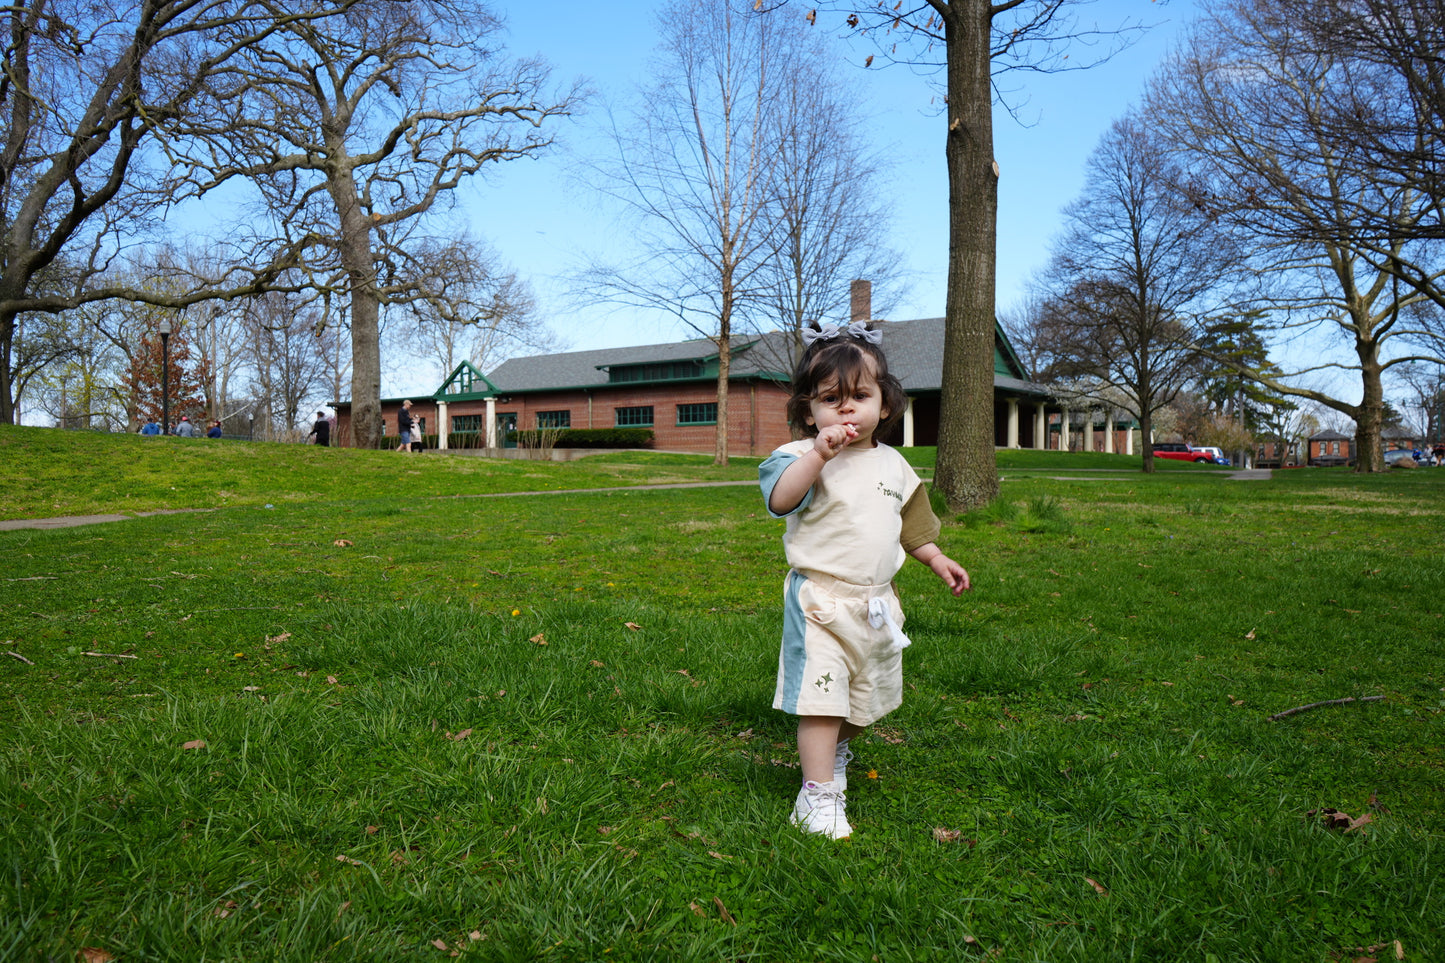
(861, 298)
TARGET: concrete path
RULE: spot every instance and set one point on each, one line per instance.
(71, 521)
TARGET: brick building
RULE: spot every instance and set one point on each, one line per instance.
(672, 389)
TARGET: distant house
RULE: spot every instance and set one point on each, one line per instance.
(1395, 438)
(1330, 448)
(1273, 452)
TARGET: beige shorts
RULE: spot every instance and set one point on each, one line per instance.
(832, 661)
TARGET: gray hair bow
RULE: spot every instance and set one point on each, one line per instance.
(827, 332)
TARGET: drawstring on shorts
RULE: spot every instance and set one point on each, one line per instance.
(881, 614)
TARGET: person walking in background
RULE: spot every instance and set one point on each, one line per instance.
(321, 430)
(856, 511)
(214, 431)
(404, 425)
(185, 429)
(150, 428)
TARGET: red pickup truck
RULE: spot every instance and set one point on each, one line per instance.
(1182, 452)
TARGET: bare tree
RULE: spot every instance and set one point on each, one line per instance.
(1133, 276)
(975, 42)
(287, 362)
(830, 205)
(1243, 103)
(478, 310)
(696, 168)
(87, 94)
(353, 129)
(1389, 117)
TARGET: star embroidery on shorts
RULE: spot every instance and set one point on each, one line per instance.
(824, 682)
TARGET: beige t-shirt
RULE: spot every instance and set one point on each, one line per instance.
(862, 516)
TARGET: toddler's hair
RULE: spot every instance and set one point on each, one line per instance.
(843, 361)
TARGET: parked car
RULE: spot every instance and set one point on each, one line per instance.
(1216, 453)
(1401, 457)
(1182, 452)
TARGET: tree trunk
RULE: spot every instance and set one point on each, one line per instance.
(724, 363)
(967, 472)
(1369, 452)
(367, 429)
(7, 347)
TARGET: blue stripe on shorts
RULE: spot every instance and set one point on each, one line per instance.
(795, 652)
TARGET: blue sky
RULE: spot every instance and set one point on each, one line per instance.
(541, 223)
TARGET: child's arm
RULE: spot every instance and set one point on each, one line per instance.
(951, 572)
(794, 482)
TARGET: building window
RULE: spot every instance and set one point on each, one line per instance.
(554, 419)
(703, 414)
(634, 417)
(1336, 446)
(663, 371)
(466, 424)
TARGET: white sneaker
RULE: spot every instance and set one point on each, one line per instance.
(840, 765)
(819, 809)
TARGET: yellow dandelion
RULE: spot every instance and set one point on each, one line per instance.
(516, 611)
(872, 773)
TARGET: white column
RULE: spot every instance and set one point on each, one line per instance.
(443, 425)
(490, 427)
(908, 425)
(1129, 442)
(1041, 427)
(1109, 432)
(1064, 430)
(1013, 422)
(1089, 430)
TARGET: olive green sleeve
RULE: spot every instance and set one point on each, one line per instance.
(920, 525)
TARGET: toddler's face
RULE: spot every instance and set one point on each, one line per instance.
(862, 407)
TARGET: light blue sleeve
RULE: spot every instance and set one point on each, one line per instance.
(769, 472)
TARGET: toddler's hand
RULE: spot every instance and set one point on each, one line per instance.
(834, 439)
(951, 572)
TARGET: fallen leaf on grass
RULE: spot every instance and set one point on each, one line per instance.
(716, 855)
(697, 910)
(279, 638)
(194, 744)
(1367, 954)
(459, 736)
(343, 858)
(946, 835)
(633, 626)
(372, 830)
(94, 954)
(1097, 888)
(342, 543)
(724, 911)
(331, 680)
(1335, 819)
(539, 638)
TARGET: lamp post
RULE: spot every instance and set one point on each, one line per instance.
(165, 329)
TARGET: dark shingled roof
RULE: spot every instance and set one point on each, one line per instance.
(914, 350)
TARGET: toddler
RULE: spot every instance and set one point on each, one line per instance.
(855, 510)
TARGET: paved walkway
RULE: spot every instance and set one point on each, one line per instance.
(72, 521)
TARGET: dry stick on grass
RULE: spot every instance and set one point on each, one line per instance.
(1327, 702)
(20, 657)
(110, 655)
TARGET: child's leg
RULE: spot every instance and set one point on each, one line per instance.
(818, 738)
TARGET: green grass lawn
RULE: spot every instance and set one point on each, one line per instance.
(382, 719)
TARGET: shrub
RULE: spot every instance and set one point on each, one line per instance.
(583, 438)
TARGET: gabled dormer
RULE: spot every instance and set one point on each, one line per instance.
(465, 383)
